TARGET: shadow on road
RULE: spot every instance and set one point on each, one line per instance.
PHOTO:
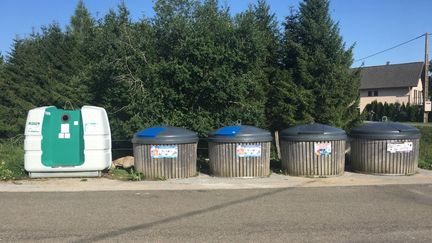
(107, 235)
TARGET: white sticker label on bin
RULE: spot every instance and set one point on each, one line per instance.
(400, 147)
(248, 150)
(322, 149)
(163, 151)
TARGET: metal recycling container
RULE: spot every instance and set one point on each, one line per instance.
(240, 151)
(385, 148)
(165, 152)
(313, 150)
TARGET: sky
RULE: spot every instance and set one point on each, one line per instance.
(370, 25)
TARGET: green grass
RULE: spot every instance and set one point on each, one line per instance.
(12, 160)
(418, 124)
(125, 174)
(425, 160)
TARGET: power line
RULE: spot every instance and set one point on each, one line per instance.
(391, 48)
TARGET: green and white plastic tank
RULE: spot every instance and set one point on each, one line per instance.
(67, 143)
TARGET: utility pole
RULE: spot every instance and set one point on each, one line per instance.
(426, 102)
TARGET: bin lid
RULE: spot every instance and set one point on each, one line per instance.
(165, 135)
(240, 134)
(385, 130)
(313, 132)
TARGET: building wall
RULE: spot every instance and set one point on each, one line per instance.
(416, 94)
(391, 95)
(411, 95)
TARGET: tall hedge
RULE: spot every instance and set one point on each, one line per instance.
(192, 64)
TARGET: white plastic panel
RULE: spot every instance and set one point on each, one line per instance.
(33, 138)
(95, 121)
(97, 136)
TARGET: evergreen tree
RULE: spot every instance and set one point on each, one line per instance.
(81, 32)
(210, 65)
(82, 24)
(385, 110)
(321, 64)
(289, 103)
(114, 64)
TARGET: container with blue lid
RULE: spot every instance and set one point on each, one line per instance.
(165, 152)
(240, 151)
(313, 150)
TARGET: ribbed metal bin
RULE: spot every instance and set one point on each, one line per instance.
(313, 150)
(168, 152)
(385, 148)
(181, 167)
(225, 162)
(240, 151)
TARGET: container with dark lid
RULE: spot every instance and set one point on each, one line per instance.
(164, 151)
(386, 148)
(240, 151)
(313, 150)
(313, 132)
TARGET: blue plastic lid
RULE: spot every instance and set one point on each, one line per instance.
(228, 131)
(150, 132)
(165, 135)
(240, 134)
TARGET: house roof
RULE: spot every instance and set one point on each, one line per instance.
(391, 75)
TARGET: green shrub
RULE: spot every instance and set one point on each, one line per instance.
(11, 160)
(375, 111)
(425, 160)
(125, 174)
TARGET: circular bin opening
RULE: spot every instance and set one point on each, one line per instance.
(65, 117)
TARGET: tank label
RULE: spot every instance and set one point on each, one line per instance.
(399, 147)
(248, 150)
(322, 149)
(33, 127)
(163, 151)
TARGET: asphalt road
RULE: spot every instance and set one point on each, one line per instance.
(338, 214)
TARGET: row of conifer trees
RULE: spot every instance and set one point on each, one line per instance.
(192, 64)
